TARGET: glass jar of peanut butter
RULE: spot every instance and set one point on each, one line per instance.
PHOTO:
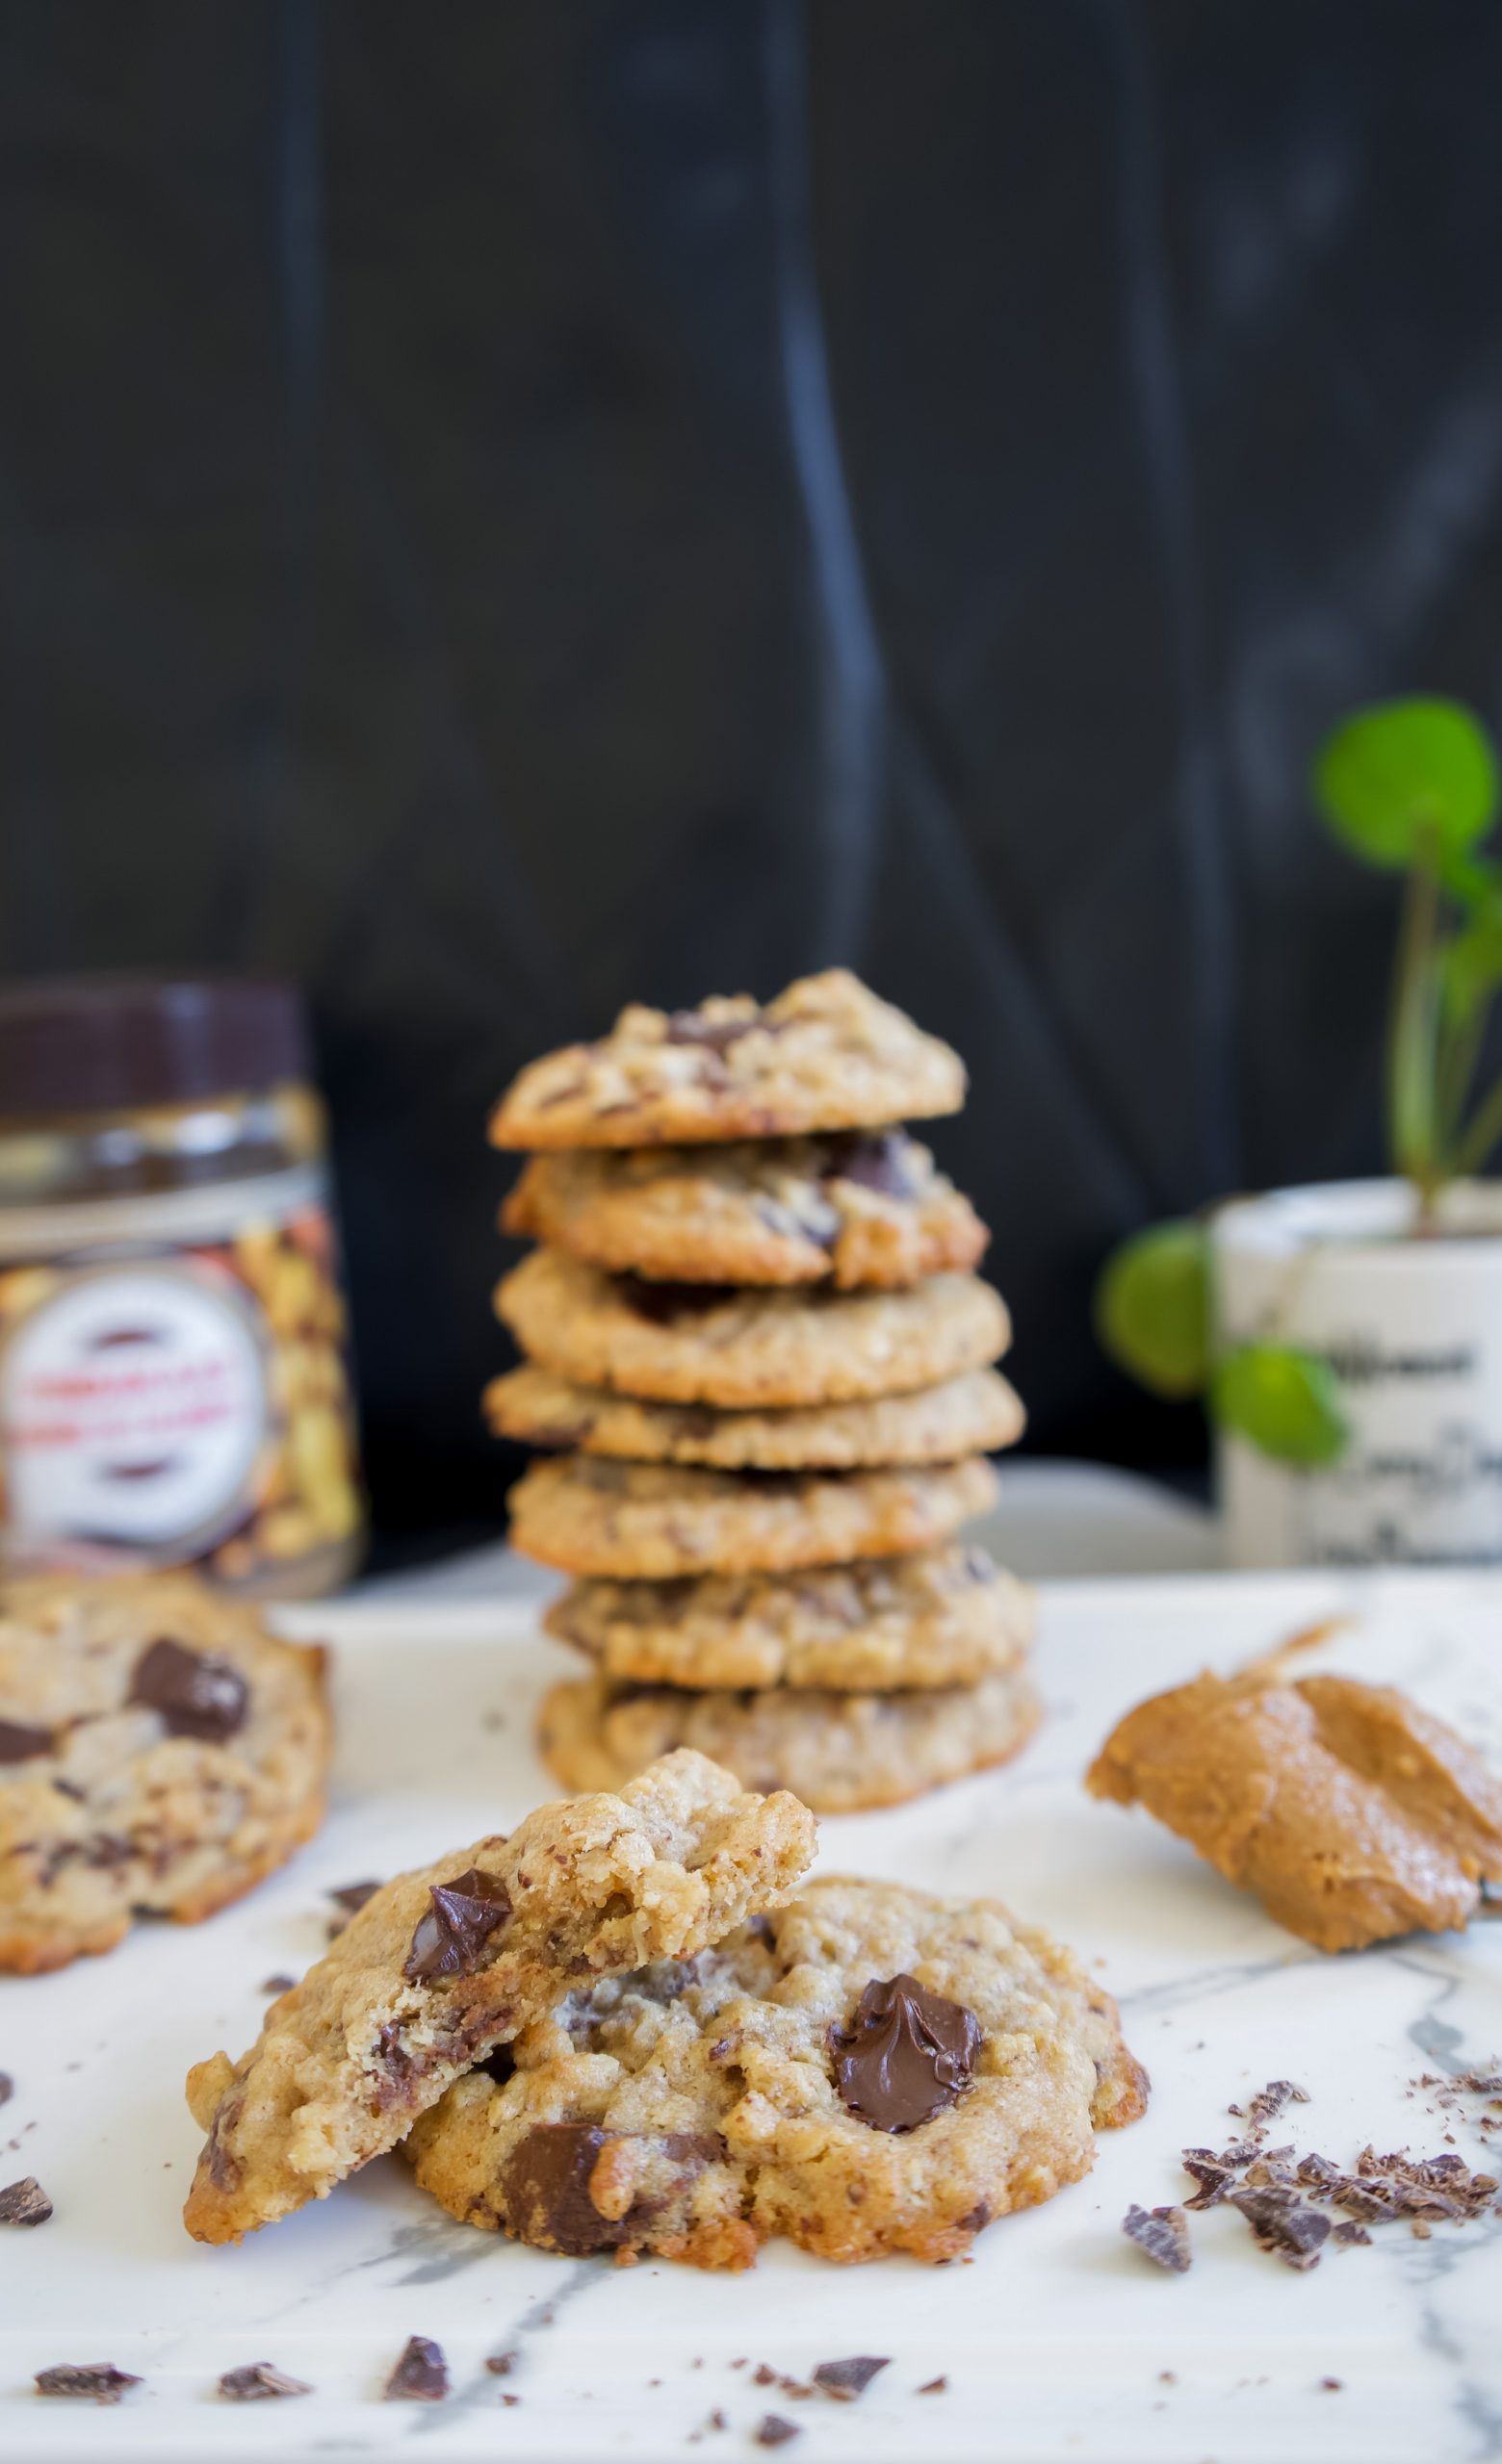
(174, 1381)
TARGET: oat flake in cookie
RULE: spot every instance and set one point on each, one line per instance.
(840, 1753)
(658, 1521)
(443, 1965)
(826, 1054)
(747, 1349)
(865, 1208)
(944, 1616)
(699, 2107)
(160, 1752)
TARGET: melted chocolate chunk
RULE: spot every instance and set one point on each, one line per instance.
(546, 2188)
(450, 1940)
(258, 2380)
(1162, 2233)
(690, 1026)
(19, 1743)
(195, 1694)
(99, 2379)
(422, 2374)
(24, 2202)
(846, 2379)
(878, 1161)
(663, 1305)
(906, 2054)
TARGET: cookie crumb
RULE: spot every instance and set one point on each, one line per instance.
(422, 2374)
(24, 2202)
(99, 2379)
(258, 2380)
(1162, 2234)
(844, 2380)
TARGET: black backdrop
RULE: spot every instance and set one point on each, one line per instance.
(511, 505)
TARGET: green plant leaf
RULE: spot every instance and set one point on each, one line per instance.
(1474, 882)
(1284, 1401)
(1407, 779)
(1153, 1309)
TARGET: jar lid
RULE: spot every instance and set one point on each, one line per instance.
(109, 1043)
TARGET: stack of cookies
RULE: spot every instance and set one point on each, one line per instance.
(753, 1325)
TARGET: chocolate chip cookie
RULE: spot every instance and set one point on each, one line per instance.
(442, 1965)
(160, 1753)
(860, 1208)
(942, 1616)
(975, 1414)
(826, 1054)
(838, 1752)
(867, 2069)
(747, 1351)
(656, 1521)
(1352, 1815)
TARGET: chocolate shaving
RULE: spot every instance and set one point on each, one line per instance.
(1290, 2231)
(24, 2202)
(422, 2374)
(99, 2379)
(197, 1694)
(1162, 2234)
(19, 1743)
(846, 2379)
(906, 2056)
(258, 2380)
(451, 1938)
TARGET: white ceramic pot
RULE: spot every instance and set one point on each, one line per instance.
(1412, 1327)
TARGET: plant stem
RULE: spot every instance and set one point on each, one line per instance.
(1482, 1133)
(1460, 1050)
(1411, 1041)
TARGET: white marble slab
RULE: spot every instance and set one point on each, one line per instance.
(1057, 2339)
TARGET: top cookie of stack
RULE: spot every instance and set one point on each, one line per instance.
(752, 1321)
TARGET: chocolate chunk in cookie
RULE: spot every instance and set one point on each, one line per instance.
(905, 2055)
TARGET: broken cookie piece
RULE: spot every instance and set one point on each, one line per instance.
(440, 1968)
(1351, 1814)
(797, 2079)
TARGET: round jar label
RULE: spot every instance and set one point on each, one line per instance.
(133, 1409)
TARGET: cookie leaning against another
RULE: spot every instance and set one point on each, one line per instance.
(838, 1752)
(870, 2069)
(160, 1752)
(656, 1521)
(942, 1616)
(1350, 1813)
(975, 1414)
(444, 1964)
(826, 1054)
(859, 1210)
(749, 1349)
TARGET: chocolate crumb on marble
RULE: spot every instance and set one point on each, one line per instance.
(501, 2364)
(762, 2377)
(1333, 2386)
(844, 2380)
(422, 2374)
(24, 2202)
(348, 1899)
(774, 2430)
(1282, 2224)
(99, 2379)
(934, 2387)
(1161, 2234)
(277, 1984)
(7, 2087)
(258, 2380)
